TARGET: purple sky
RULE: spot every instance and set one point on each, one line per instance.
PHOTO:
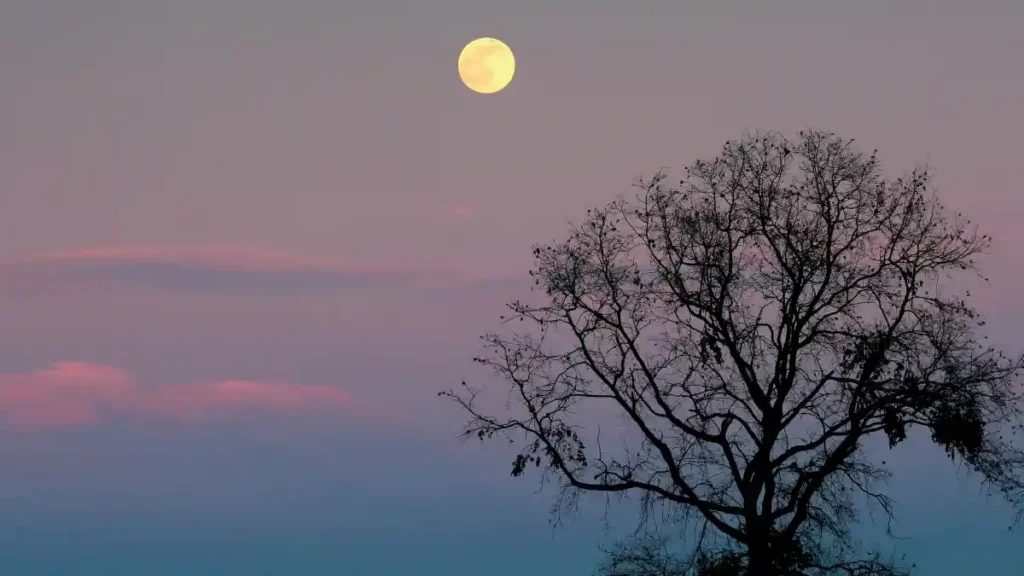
(244, 242)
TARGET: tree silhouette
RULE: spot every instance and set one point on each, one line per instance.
(753, 327)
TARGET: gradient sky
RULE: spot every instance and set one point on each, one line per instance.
(244, 243)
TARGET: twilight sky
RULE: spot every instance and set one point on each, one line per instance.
(243, 243)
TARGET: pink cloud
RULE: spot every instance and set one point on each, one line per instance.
(218, 257)
(203, 267)
(72, 394)
(464, 211)
(213, 257)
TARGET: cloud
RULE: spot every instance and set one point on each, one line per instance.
(463, 211)
(73, 394)
(202, 268)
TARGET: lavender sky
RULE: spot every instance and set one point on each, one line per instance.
(243, 243)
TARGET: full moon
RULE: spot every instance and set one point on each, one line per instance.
(486, 65)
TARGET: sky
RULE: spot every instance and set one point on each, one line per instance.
(243, 243)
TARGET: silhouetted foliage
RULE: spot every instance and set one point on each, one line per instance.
(754, 326)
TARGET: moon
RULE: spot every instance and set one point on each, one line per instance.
(486, 65)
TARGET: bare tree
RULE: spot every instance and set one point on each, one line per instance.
(754, 326)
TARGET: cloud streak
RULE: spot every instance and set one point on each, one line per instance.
(74, 394)
(203, 268)
(462, 211)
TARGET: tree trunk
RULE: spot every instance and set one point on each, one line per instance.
(759, 559)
